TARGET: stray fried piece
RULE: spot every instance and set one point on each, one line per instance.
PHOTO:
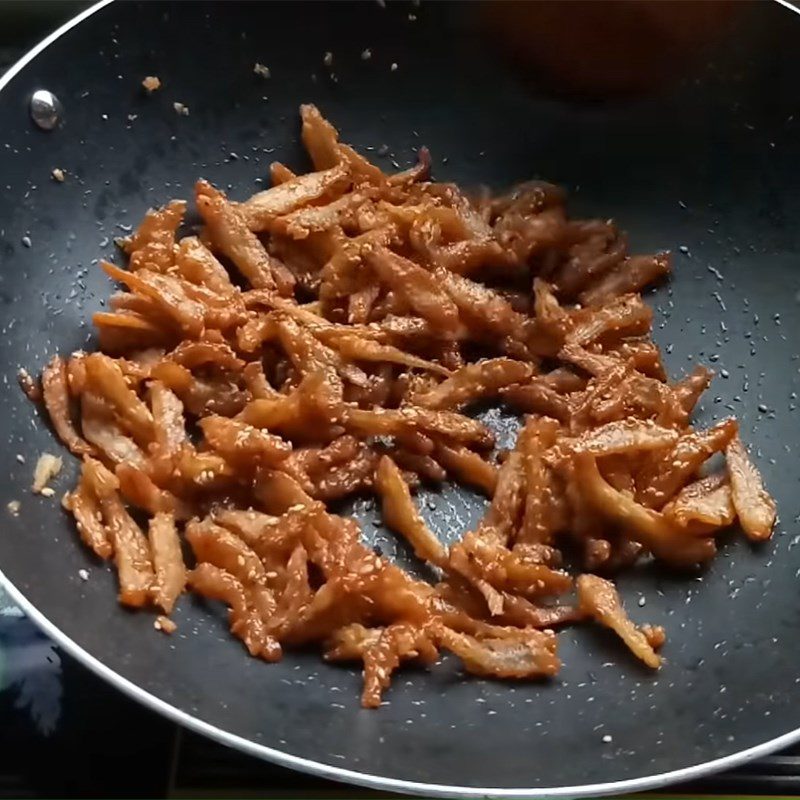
(467, 467)
(402, 516)
(600, 600)
(754, 506)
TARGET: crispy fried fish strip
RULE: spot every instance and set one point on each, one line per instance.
(246, 623)
(479, 381)
(167, 294)
(600, 600)
(669, 471)
(262, 208)
(230, 234)
(243, 445)
(419, 288)
(170, 571)
(703, 506)
(754, 505)
(402, 516)
(131, 548)
(153, 244)
(467, 467)
(397, 421)
(522, 654)
(105, 377)
(55, 391)
(381, 650)
(662, 537)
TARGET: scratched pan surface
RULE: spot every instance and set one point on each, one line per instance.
(708, 166)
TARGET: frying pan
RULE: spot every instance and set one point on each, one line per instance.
(705, 166)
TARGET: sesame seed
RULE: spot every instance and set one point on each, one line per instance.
(261, 70)
(83, 574)
(58, 175)
(366, 55)
(328, 59)
(607, 739)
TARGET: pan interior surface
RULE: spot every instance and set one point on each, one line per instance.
(705, 167)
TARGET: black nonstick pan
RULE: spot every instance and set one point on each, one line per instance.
(704, 164)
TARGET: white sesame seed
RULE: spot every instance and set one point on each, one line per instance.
(366, 54)
(83, 574)
(181, 109)
(261, 70)
(607, 739)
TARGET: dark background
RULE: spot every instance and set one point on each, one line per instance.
(63, 732)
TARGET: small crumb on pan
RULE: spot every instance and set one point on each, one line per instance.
(47, 467)
(165, 625)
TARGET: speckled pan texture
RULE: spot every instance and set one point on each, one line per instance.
(707, 167)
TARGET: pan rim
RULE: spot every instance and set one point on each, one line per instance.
(317, 768)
